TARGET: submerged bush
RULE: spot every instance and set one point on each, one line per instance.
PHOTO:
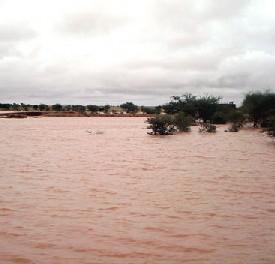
(236, 119)
(271, 126)
(183, 122)
(161, 125)
(207, 127)
(220, 118)
(169, 124)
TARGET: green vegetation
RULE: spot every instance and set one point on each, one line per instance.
(207, 127)
(57, 107)
(161, 125)
(203, 107)
(257, 108)
(183, 122)
(236, 119)
(260, 107)
(129, 107)
(169, 124)
(93, 108)
(151, 110)
(270, 128)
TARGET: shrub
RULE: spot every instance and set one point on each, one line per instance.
(161, 125)
(220, 118)
(271, 126)
(207, 127)
(236, 118)
(182, 122)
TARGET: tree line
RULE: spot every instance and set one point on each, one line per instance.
(183, 111)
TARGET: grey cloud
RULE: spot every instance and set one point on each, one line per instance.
(8, 50)
(13, 33)
(202, 46)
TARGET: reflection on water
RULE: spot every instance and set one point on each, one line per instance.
(121, 196)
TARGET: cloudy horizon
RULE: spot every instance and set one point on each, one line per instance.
(109, 52)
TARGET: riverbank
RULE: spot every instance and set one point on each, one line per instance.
(25, 114)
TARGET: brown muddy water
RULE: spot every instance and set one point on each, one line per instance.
(71, 195)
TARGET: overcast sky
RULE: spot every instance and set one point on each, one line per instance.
(111, 51)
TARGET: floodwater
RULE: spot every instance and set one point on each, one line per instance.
(70, 194)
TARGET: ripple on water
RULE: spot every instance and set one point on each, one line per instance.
(126, 197)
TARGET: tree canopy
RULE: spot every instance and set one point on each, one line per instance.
(259, 106)
(129, 107)
(200, 107)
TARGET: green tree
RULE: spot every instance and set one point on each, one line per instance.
(271, 126)
(150, 110)
(43, 107)
(161, 125)
(236, 118)
(106, 108)
(182, 122)
(93, 108)
(259, 106)
(207, 107)
(129, 107)
(79, 108)
(202, 107)
(57, 107)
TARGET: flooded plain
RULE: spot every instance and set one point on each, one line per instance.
(100, 190)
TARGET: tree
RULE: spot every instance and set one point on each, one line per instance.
(161, 125)
(106, 108)
(220, 118)
(15, 107)
(270, 129)
(35, 107)
(93, 108)
(207, 107)
(202, 107)
(43, 107)
(78, 108)
(57, 107)
(5, 106)
(67, 108)
(182, 122)
(259, 106)
(150, 110)
(129, 107)
(236, 118)
(207, 127)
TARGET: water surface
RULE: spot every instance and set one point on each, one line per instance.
(72, 195)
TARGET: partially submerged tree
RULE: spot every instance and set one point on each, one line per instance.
(259, 106)
(207, 127)
(182, 122)
(270, 129)
(203, 107)
(236, 119)
(169, 124)
(207, 107)
(161, 125)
